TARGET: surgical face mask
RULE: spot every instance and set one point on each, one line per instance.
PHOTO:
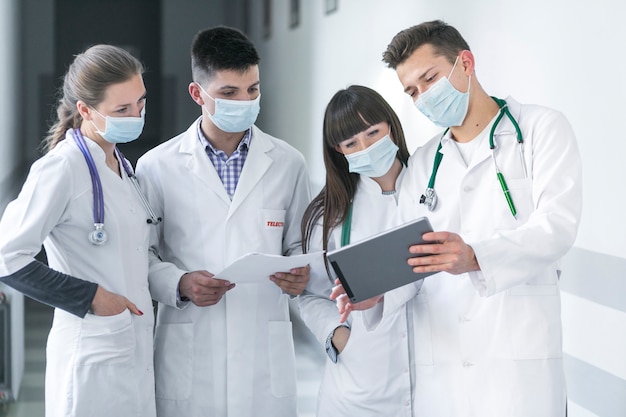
(443, 104)
(121, 129)
(374, 161)
(234, 115)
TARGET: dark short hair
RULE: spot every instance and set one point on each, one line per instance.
(445, 39)
(221, 48)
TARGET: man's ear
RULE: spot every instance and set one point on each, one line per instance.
(194, 92)
(467, 60)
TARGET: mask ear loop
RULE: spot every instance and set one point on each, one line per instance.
(469, 82)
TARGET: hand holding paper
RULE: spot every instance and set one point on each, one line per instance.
(258, 267)
(293, 282)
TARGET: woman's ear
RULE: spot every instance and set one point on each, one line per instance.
(83, 110)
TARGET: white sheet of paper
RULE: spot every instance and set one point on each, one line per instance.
(257, 267)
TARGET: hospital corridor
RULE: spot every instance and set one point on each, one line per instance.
(238, 127)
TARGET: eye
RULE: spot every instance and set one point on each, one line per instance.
(121, 110)
(373, 132)
(348, 144)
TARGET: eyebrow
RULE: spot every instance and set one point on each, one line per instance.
(145, 93)
(229, 87)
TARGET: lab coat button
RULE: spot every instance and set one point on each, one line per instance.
(407, 403)
(467, 364)
(468, 188)
(463, 319)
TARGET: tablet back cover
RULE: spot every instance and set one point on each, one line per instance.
(378, 264)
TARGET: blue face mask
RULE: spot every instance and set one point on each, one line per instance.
(374, 161)
(121, 129)
(443, 104)
(234, 115)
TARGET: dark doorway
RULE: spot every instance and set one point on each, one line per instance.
(134, 25)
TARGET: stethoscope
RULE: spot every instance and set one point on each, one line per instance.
(99, 236)
(429, 198)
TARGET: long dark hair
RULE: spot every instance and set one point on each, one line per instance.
(349, 112)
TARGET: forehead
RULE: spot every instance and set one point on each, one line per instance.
(420, 61)
(125, 92)
(234, 78)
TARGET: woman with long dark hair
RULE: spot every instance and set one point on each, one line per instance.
(365, 154)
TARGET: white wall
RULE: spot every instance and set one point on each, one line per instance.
(563, 54)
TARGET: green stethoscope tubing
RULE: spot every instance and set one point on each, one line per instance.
(346, 227)
(504, 110)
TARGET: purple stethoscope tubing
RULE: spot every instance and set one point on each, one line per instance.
(99, 236)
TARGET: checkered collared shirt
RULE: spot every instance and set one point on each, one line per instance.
(228, 168)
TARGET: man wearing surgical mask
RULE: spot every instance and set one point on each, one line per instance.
(224, 189)
(501, 185)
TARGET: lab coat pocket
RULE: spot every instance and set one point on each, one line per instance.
(272, 226)
(534, 319)
(282, 359)
(173, 360)
(106, 339)
(104, 375)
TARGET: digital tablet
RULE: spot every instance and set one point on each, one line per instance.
(378, 264)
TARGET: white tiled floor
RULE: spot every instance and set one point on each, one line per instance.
(309, 356)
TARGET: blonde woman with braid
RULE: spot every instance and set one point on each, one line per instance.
(80, 200)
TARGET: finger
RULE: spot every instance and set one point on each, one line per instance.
(337, 291)
(133, 308)
(290, 287)
(345, 314)
(288, 278)
(304, 270)
(217, 283)
(436, 236)
(204, 274)
(426, 248)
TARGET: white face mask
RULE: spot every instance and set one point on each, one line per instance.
(121, 129)
(374, 161)
(234, 115)
(443, 104)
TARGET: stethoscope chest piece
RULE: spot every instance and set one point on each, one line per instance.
(429, 199)
(98, 236)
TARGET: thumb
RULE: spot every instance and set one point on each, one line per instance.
(133, 308)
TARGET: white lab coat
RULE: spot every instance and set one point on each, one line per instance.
(96, 366)
(235, 358)
(495, 335)
(372, 376)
